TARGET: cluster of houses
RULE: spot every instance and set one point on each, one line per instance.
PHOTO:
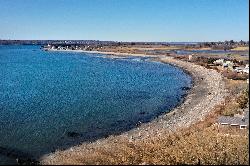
(72, 47)
(228, 64)
(89, 45)
(232, 66)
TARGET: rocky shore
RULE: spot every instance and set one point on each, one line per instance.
(208, 90)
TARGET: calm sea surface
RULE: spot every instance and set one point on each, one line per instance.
(54, 100)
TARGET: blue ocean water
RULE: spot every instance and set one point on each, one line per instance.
(44, 96)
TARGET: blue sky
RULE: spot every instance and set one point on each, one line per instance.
(125, 20)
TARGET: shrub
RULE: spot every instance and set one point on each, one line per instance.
(243, 99)
(234, 75)
(211, 60)
(231, 109)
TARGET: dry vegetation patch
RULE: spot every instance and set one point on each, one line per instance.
(240, 49)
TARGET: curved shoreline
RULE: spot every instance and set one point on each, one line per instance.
(208, 90)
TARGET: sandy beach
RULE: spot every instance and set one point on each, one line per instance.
(208, 90)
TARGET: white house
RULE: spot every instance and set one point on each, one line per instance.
(241, 122)
(228, 64)
(239, 69)
(246, 69)
(219, 62)
(242, 69)
(190, 57)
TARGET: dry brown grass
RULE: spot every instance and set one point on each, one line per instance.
(243, 99)
(138, 48)
(240, 49)
(157, 48)
(234, 75)
(198, 145)
(237, 99)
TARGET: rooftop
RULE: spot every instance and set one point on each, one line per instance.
(235, 120)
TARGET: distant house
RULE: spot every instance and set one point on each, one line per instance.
(239, 69)
(228, 64)
(242, 69)
(241, 122)
(190, 57)
(246, 69)
(219, 62)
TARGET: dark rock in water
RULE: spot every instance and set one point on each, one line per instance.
(183, 95)
(139, 123)
(22, 158)
(185, 88)
(73, 134)
(113, 124)
(143, 112)
(97, 127)
(120, 121)
(27, 162)
(106, 136)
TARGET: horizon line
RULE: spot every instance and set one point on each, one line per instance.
(123, 41)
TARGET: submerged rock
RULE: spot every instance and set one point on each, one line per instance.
(143, 112)
(27, 162)
(185, 88)
(73, 134)
(22, 158)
